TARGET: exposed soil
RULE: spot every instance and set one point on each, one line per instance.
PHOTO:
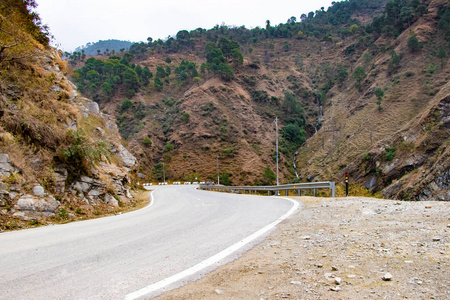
(341, 249)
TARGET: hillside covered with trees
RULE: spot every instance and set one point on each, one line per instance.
(360, 87)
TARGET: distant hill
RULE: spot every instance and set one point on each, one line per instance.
(104, 46)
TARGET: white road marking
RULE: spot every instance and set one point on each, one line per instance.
(212, 260)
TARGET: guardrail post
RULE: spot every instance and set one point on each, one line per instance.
(314, 192)
(268, 193)
(299, 192)
(287, 192)
(333, 189)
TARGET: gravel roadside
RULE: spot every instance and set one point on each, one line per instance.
(342, 248)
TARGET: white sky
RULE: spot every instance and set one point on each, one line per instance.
(77, 22)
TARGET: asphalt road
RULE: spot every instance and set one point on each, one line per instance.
(113, 257)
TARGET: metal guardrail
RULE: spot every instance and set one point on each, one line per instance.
(273, 188)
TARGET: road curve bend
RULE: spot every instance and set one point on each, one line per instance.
(184, 233)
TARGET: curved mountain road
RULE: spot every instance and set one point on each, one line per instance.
(124, 256)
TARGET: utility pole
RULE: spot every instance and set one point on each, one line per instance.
(276, 134)
(218, 178)
(164, 172)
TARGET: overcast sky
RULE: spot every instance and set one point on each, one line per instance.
(77, 22)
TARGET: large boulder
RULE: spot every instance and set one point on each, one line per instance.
(31, 207)
(93, 189)
(128, 159)
(38, 190)
(110, 200)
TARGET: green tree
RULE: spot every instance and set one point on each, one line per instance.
(226, 72)
(294, 134)
(394, 63)
(93, 76)
(290, 105)
(379, 93)
(126, 104)
(130, 79)
(186, 117)
(354, 28)
(225, 178)
(182, 76)
(168, 147)
(160, 73)
(147, 141)
(342, 74)
(413, 44)
(441, 54)
(158, 171)
(268, 176)
(287, 46)
(215, 61)
(236, 57)
(107, 89)
(158, 83)
(146, 75)
(359, 75)
(138, 70)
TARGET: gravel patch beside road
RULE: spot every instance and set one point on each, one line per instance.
(343, 248)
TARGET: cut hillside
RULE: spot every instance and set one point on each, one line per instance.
(60, 157)
(359, 88)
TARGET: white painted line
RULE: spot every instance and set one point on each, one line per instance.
(212, 260)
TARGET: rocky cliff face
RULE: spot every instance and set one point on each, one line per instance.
(43, 129)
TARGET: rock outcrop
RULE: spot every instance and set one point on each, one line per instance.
(6, 167)
(31, 207)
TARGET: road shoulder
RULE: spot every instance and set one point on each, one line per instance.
(341, 248)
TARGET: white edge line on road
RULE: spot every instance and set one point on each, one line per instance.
(212, 260)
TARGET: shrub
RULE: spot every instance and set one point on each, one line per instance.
(225, 178)
(367, 156)
(126, 104)
(228, 151)
(268, 176)
(379, 93)
(186, 117)
(413, 44)
(259, 96)
(389, 154)
(168, 147)
(81, 152)
(63, 214)
(432, 69)
(359, 75)
(169, 102)
(147, 141)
